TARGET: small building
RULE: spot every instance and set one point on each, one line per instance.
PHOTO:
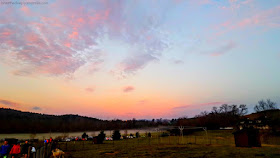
(258, 123)
(247, 138)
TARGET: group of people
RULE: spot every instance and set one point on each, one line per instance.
(15, 151)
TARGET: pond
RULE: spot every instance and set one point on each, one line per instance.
(70, 134)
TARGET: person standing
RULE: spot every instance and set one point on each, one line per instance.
(25, 148)
(33, 152)
(15, 151)
(4, 150)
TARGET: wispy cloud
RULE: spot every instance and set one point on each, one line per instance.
(89, 89)
(8, 103)
(177, 61)
(131, 64)
(237, 4)
(55, 43)
(198, 105)
(128, 89)
(268, 18)
(18, 105)
(224, 49)
(142, 101)
(216, 49)
(37, 108)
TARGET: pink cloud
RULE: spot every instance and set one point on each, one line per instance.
(18, 106)
(36, 108)
(128, 89)
(10, 104)
(199, 105)
(89, 89)
(195, 2)
(223, 49)
(268, 18)
(42, 49)
(136, 62)
(54, 43)
(132, 64)
(177, 61)
(25, 10)
(67, 44)
(5, 34)
(237, 4)
(74, 35)
(144, 101)
(204, 2)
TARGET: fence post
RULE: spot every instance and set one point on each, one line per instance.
(38, 153)
(42, 152)
(66, 146)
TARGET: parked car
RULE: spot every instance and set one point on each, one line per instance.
(67, 140)
(108, 138)
(90, 138)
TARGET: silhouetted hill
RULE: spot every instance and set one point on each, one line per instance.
(271, 117)
(15, 121)
(230, 116)
(268, 113)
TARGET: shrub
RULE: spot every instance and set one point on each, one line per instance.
(116, 135)
(101, 137)
(137, 135)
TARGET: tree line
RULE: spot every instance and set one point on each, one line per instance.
(14, 121)
(227, 115)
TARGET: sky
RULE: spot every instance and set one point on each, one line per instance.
(138, 59)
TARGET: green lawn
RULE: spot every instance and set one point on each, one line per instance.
(218, 144)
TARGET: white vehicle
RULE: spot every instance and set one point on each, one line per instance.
(108, 138)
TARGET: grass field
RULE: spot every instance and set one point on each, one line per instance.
(216, 144)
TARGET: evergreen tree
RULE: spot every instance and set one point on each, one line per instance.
(137, 135)
(116, 135)
(101, 137)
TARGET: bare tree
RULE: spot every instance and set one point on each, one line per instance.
(243, 110)
(215, 110)
(225, 108)
(265, 105)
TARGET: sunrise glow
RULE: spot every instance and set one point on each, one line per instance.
(140, 58)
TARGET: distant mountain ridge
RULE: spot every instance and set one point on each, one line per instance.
(15, 121)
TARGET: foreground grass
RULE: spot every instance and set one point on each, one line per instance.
(218, 144)
(165, 150)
